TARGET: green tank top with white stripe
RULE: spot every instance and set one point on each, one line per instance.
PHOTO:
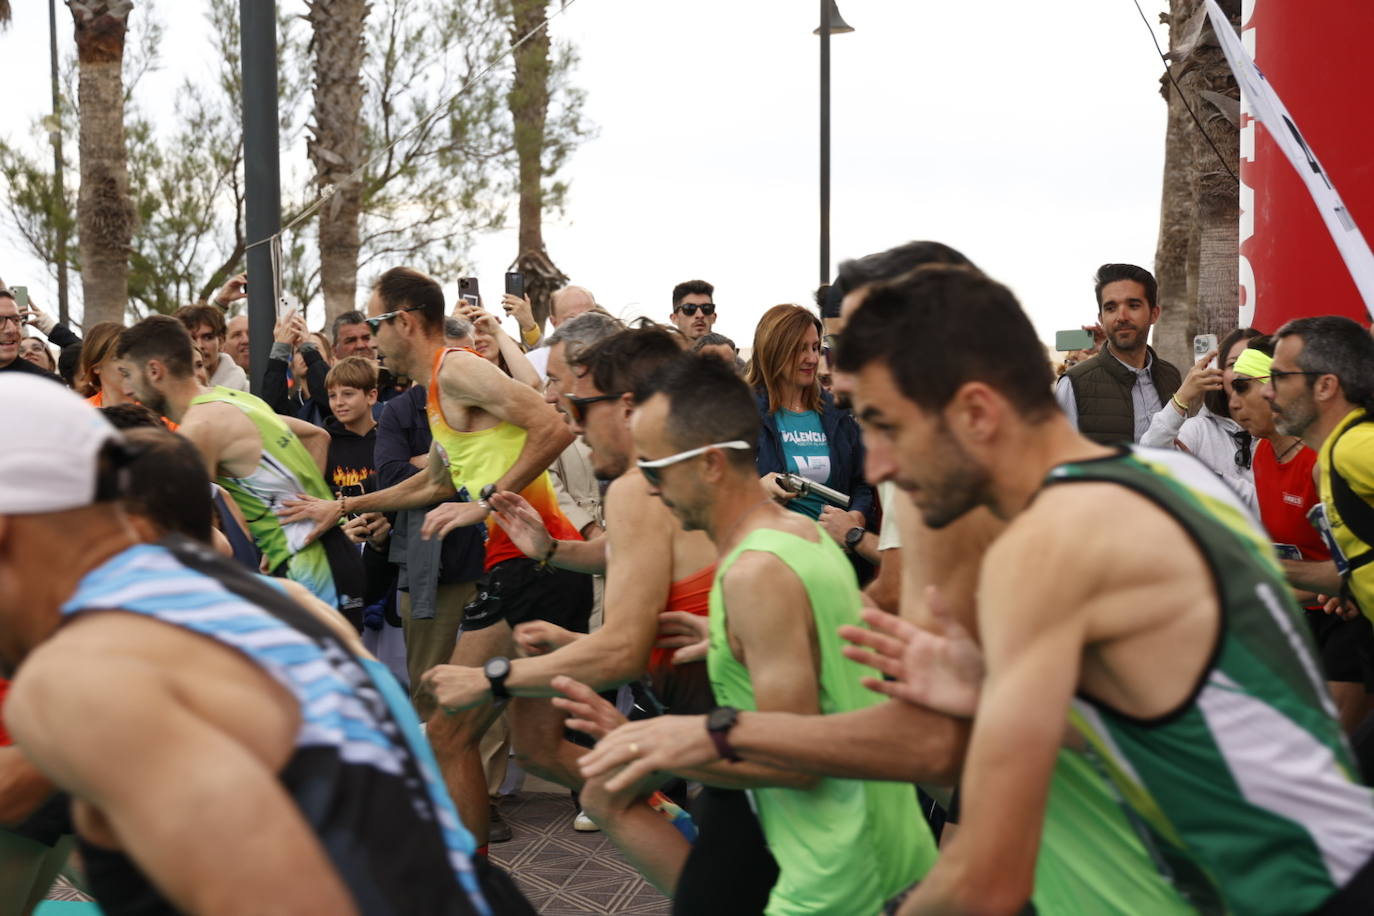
(1247, 794)
(285, 470)
(845, 846)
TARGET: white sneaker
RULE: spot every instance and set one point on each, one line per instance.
(584, 824)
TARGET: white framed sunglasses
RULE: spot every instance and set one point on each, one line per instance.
(650, 469)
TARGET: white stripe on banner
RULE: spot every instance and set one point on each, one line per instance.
(1264, 105)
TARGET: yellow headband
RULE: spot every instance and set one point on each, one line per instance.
(1254, 363)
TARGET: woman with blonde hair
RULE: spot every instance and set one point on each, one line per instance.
(803, 432)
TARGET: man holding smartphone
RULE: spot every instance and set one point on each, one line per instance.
(11, 333)
(1112, 397)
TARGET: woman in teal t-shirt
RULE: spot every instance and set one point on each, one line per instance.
(802, 430)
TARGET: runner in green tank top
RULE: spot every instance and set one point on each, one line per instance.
(843, 845)
(259, 457)
(1130, 588)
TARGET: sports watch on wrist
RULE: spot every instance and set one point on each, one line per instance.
(497, 669)
(852, 537)
(719, 721)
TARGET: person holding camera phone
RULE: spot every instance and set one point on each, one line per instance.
(1112, 397)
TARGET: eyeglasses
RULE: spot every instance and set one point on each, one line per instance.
(650, 469)
(580, 405)
(375, 323)
(1277, 373)
(708, 309)
(17, 319)
(1241, 383)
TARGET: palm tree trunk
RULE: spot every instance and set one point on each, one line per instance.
(105, 213)
(336, 149)
(1174, 331)
(529, 105)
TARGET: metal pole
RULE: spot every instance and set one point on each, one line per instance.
(825, 142)
(58, 191)
(262, 173)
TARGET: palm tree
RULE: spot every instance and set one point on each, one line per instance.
(105, 213)
(336, 149)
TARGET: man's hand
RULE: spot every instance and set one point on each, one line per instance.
(442, 519)
(770, 485)
(1339, 607)
(368, 528)
(456, 688)
(940, 669)
(522, 523)
(1099, 337)
(234, 289)
(838, 522)
(521, 309)
(640, 749)
(590, 714)
(539, 637)
(39, 319)
(1200, 379)
(325, 513)
(688, 633)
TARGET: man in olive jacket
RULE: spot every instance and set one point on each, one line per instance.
(1111, 397)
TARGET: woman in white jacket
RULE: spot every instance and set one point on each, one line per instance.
(1197, 419)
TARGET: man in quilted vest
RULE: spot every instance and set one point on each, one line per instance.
(1111, 397)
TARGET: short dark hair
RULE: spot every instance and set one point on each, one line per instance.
(166, 482)
(68, 361)
(160, 337)
(623, 361)
(193, 316)
(1217, 401)
(707, 402)
(939, 328)
(713, 340)
(895, 261)
(403, 287)
(347, 318)
(1110, 273)
(131, 416)
(1337, 345)
(690, 287)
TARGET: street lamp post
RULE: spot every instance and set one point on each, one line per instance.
(831, 24)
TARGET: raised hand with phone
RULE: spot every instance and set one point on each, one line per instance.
(1203, 377)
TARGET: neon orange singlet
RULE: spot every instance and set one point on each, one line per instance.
(692, 594)
(478, 458)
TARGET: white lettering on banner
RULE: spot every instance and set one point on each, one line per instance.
(1264, 104)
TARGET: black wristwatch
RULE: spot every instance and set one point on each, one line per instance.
(497, 669)
(852, 537)
(719, 721)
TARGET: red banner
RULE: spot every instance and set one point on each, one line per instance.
(1315, 55)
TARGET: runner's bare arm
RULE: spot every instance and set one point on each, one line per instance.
(314, 438)
(769, 617)
(639, 534)
(199, 427)
(1318, 576)
(474, 381)
(1033, 633)
(415, 492)
(525, 526)
(249, 852)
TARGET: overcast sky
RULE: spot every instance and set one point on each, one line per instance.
(1030, 136)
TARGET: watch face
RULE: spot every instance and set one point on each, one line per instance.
(854, 536)
(721, 718)
(496, 668)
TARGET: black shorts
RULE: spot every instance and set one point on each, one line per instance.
(729, 871)
(1346, 647)
(520, 589)
(684, 690)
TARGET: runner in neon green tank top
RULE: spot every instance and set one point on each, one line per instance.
(844, 846)
(260, 458)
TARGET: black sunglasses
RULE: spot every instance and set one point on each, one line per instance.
(689, 310)
(579, 405)
(1277, 373)
(375, 323)
(1242, 456)
(1241, 383)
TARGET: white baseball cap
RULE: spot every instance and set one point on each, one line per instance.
(48, 463)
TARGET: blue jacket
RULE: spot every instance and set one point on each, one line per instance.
(846, 451)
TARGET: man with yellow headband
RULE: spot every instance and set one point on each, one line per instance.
(1321, 387)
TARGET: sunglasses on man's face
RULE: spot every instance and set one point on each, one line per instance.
(375, 323)
(1241, 383)
(578, 406)
(708, 309)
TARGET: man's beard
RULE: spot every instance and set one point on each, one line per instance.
(1296, 419)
